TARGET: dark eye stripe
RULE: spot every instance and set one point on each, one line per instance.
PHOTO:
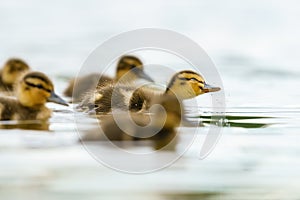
(188, 79)
(37, 77)
(38, 86)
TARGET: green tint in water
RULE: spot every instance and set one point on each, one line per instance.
(25, 125)
(235, 121)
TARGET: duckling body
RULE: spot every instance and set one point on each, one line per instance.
(102, 100)
(33, 91)
(11, 72)
(78, 88)
(183, 85)
(84, 84)
(142, 97)
(12, 109)
(160, 126)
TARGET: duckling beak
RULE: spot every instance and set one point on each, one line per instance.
(141, 74)
(56, 99)
(208, 88)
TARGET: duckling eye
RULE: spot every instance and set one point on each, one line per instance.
(193, 79)
(40, 86)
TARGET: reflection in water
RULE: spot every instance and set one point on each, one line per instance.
(221, 176)
(111, 131)
(236, 121)
(193, 196)
(26, 125)
(121, 139)
(159, 126)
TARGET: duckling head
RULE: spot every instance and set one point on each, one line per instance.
(13, 70)
(188, 84)
(131, 68)
(35, 89)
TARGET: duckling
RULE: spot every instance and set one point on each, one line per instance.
(33, 90)
(11, 72)
(101, 100)
(84, 84)
(184, 85)
(160, 126)
(126, 64)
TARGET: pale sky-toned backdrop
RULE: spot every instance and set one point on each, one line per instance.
(255, 44)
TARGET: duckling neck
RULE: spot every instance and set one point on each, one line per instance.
(171, 93)
(168, 91)
(1, 76)
(8, 86)
(125, 76)
(30, 104)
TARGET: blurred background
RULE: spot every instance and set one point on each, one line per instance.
(254, 44)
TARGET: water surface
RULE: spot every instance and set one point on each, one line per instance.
(255, 46)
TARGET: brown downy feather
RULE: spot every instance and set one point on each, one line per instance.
(78, 88)
(11, 109)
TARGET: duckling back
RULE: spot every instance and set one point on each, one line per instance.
(78, 88)
(129, 69)
(11, 109)
(104, 99)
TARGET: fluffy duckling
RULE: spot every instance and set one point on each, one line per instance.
(184, 85)
(103, 99)
(126, 64)
(33, 90)
(84, 84)
(160, 126)
(11, 72)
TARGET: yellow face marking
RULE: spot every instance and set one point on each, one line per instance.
(186, 84)
(40, 83)
(33, 91)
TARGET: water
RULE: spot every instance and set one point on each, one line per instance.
(255, 46)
